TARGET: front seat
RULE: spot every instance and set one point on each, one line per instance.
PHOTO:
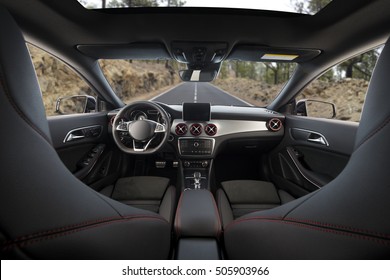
(239, 197)
(346, 219)
(45, 212)
(146, 192)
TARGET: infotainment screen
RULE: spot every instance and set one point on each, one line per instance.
(199, 112)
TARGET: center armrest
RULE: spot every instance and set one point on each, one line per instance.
(197, 215)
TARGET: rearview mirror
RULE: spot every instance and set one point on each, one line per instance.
(198, 75)
(316, 109)
(76, 104)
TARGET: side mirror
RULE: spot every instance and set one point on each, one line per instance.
(198, 75)
(76, 104)
(316, 109)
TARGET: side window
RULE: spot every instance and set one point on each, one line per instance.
(63, 91)
(344, 85)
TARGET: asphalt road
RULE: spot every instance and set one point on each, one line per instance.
(198, 93)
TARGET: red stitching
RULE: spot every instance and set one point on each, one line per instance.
(219, 225)
(313, 227)
(177, 219)
(50, 234)
(234, 222)
(340, 227)
(53, 231)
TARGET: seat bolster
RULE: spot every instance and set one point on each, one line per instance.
(225, 209)
(167, 206)
(285, 197)
(107, 191)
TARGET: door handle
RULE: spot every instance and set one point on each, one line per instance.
(317, 138)
(72, 137)
(92, 131)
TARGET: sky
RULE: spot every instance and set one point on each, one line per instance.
(279, 5)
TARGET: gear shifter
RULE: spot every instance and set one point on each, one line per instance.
(197, 178)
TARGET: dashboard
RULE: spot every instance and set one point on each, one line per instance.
(206, 130)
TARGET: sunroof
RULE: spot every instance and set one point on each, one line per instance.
(293, 6)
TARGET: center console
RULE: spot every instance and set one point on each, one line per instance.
(196, 145)
(197, 223)
(196, 174)
(197, 226)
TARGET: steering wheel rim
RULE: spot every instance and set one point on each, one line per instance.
(142, 132)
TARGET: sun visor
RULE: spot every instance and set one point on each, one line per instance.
(264, 54)
(147, 51)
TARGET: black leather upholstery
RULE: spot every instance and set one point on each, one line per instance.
(197, 226)
(198, 249)
(197, 215)
(45, 212)
(346, 219)
(239, 197)
(146, 192)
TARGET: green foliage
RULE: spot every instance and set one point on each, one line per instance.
(142, 3)
(361, 66)
(309, 6)
(131, 3)
(270, 72)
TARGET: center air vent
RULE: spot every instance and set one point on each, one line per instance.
(274, 124)
(210, 129)
(181, 129)
(196, 129)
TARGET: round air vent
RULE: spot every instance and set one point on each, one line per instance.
(275, 124)
(196, 129)
(210, 129)
(181, 129)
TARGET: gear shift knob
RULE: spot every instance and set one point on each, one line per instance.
(197, 175)
(197, 178)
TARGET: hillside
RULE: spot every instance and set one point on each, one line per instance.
(348, 94)
(134, 80)
(131, 80)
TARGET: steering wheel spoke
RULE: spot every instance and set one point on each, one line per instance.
(123, 126)
(139, 146)
(160, 128)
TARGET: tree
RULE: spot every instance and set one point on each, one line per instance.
(360, 66)
(143, 3)
(171, 3)
(309, 6)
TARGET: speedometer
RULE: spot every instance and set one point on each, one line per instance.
(138, 115)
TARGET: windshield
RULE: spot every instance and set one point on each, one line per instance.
(239, 83)
(292, 6)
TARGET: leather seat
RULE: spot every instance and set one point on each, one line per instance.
(146, 192)
(45, 212)
(239, 197)
(347, 218)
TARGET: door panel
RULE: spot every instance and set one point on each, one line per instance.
(312, 153)
(83, 144)
(62, 126)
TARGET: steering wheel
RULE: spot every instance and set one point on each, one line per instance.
(140, 132)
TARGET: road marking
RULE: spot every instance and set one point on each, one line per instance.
(196, 93)
(165, 92)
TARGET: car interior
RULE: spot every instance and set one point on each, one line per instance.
(191, 178)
